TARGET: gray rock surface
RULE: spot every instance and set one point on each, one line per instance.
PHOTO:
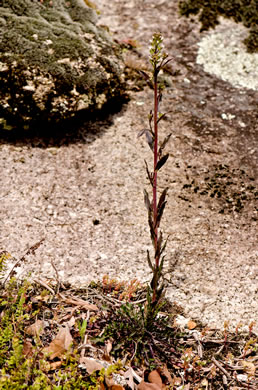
(90, 210)
(54, 61)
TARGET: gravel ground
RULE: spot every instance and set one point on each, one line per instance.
(82, 193)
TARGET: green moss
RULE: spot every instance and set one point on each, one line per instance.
(32, 371)
(36, 34)
(46, 52)
(241, 11)
(58, 31)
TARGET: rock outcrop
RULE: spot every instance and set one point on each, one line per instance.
(54, 61)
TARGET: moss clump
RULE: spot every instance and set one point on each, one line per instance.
(54, 62)
(243, 11)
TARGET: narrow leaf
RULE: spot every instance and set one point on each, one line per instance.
(162, 116)
(164, 143)
(159, 296)
(159, 99)
(150, 139)
(147, 200)
(162, 197)
(149, 260)
(154, 279)
(141, 133)
(157, 252)
(164, 245)
(161, 162)
(148, 296)
(152, 231)
(160, 213)
(144, 75)
(161, 264)
(150, 177)
(165, 62)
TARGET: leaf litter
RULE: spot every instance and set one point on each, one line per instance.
(177, 353)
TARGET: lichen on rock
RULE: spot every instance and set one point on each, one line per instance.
(54, 61)
(209, 11)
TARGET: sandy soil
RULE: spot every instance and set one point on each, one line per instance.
(83, 192)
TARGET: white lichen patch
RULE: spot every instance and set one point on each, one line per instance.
(223, 53)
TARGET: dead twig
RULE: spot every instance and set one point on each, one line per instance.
(30, 251)
(220, 341)
(59, 283)
(86, 336)
(43, 284)
(219, 350)
(79, 303)
(222, 369)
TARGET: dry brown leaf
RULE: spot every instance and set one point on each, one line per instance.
(35, 329)
(191, 324)
(105, 357)
(70, 311)
(109, 381)
(176, 381)
(101, 386)
(107, 350)
(148, 386)
(117, 387)
(80, 302)
(163, 371)
(42, 298)
(128, 375)
(154, 377)
(71, 322)
(130, 42)
(108, 347)
(249, 367)
(60, 344)
(27, 349)
(90, 364)
(205, 383)
(55, 365)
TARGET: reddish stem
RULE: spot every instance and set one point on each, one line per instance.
(155, 181)
(155, 119)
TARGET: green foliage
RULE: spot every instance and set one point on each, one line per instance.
(98, 377)
(127, 325)
(243, 11)
(3, 257)
(32, 371)
(82, 328)
(132, 326)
